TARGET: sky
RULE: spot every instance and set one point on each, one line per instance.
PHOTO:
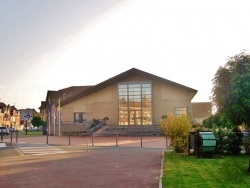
(55, 44)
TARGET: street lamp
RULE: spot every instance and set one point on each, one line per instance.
(59, 116)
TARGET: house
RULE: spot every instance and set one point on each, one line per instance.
(42, 109)
(9, 116)
(133, 97)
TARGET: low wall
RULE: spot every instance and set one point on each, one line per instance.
(53, 129)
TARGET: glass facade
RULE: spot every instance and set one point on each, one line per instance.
(135, 103)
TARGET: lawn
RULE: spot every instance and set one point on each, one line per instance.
(220, 171)
(30, 133)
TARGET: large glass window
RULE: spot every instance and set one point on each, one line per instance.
(135, 103)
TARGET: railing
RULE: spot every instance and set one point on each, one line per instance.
(93, 140)
(11, 135)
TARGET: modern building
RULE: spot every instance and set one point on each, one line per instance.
(133, 97)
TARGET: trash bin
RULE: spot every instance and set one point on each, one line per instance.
(201, 142)
(208, 142)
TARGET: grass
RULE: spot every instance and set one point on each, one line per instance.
(180, 171)
(30, 133)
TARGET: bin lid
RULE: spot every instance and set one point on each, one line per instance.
(207, 135)
(208, 141)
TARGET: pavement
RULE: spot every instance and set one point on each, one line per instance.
(122, 162)
(10, 150)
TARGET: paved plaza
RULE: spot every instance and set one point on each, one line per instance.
(82, 162)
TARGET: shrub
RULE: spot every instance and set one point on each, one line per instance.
(228, 141)
(177, 128)
(221, 135)
(246, 143)
(234, 142)
(94, 123)
(106, 118)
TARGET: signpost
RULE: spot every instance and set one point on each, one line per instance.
(26, 115)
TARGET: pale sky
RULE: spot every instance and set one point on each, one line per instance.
(54, 44)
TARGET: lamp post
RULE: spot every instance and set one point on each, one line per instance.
(59, 116)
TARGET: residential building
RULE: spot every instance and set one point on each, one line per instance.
(9, 116)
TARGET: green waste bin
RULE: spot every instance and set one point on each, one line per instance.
(201, 142)
(208, 141)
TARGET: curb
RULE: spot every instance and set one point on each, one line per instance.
(161, 174)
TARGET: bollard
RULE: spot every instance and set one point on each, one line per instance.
(11, 136)
(92, 139)
(69, 138)
(117, 139)
(16, 136)
(2, 135)
(141, 140)
(87, 145)
(47, 137)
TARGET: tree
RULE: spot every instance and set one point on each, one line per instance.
(217, 120)
(231, 86)
(177, 128)
(38, 121)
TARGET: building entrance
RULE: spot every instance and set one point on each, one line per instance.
(135, 117)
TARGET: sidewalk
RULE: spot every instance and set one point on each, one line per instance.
(83, 143)
(9, 151)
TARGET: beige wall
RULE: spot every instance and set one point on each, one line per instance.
(167, 97)
(97, 105)
(105, 102)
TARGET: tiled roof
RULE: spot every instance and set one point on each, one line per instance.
(63, 94)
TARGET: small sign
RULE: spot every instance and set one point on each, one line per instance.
(26, 114)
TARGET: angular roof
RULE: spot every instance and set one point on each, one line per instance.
(33, 110)
(4, 107)
(43, 105)
(122, 76)
(63, 94)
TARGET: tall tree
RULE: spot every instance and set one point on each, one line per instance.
(231, 89)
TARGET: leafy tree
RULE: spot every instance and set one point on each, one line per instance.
(212, 121)
(177, 128)
(38, 120)
(221, 83)
(231, 86)
(217, 120)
